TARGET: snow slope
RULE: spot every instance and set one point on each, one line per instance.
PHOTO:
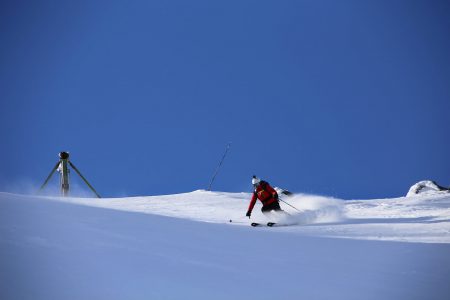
(413, 219)
(184, 247)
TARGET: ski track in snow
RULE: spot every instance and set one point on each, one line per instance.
(406, 219)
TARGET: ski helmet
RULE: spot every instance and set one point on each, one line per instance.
(255, 180)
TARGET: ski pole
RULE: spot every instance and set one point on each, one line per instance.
(289, 205)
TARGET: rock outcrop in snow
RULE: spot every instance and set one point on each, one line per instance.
(426, 187)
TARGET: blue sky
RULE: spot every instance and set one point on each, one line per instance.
(343, 98)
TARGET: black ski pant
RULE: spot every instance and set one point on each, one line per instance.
(272, 206)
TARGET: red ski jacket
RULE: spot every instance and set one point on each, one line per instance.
(265, 193)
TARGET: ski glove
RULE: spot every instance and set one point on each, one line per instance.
(249, 213)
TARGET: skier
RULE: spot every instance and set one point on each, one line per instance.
(266, 194)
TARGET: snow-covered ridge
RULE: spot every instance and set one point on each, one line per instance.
(412, 219)
(427, 187)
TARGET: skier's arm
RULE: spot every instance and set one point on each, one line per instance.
(252, 203)
(272, 191)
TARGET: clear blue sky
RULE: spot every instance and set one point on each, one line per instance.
(343, 98)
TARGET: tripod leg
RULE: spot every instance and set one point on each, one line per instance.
(84, 179)
(50, 176)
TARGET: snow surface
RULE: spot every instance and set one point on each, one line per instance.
(185, 247)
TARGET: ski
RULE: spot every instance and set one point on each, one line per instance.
(269, 224)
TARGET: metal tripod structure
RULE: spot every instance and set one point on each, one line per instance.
(63, 167)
